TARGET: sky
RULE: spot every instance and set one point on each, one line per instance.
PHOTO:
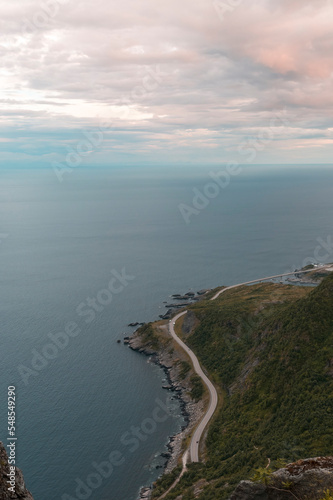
(103, 82)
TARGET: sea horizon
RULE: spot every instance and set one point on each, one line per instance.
(65, 242)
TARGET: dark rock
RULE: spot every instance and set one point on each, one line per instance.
(176, 305)
(21, 492)
(167, 315)
(189, 322)
(247, 490)
(145, 493)
(308, 478)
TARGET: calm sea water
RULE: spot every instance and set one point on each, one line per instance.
(62, 243)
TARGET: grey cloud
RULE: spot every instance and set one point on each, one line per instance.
(225, 77)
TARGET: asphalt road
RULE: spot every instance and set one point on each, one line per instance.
(195, 441)
(192, 451)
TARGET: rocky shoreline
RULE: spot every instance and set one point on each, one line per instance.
(192, 411)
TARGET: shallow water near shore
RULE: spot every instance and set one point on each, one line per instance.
(63, 241)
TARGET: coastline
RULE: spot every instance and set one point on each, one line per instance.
(192, 411)
(152, 339)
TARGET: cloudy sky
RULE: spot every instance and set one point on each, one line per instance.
(176, 81)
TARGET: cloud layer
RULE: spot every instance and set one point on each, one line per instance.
(171, 81)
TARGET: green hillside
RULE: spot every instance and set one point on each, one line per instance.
(269, 347)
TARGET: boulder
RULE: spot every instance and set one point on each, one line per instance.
(306, 479)
(21, 492)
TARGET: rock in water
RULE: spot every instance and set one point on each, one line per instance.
(21, 492)
(145, 493)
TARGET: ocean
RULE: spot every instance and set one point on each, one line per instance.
(83, 258)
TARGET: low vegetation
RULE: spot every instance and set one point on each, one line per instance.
(270, 349)
(185, 368)
(149, 336)
(197, 387)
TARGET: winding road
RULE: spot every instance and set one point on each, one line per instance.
(192, 452)
(195, 441)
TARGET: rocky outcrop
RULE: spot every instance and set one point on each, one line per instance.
(21, 492)
(184, 301)
(189, 322)
(304, 480)
(176, 306)
(167, 315)
(145, 493)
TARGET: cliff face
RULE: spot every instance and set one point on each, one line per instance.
(306, 479)
(21, 492)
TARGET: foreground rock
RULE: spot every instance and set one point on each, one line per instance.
(305, 480)
(21, 492)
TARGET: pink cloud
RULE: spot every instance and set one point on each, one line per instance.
(284, 36)
(226, 77)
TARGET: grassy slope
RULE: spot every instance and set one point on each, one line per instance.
(271, 348)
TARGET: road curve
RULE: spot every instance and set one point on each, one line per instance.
(261, 279)
(195, 441)
(193, 454)
(184, 469)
